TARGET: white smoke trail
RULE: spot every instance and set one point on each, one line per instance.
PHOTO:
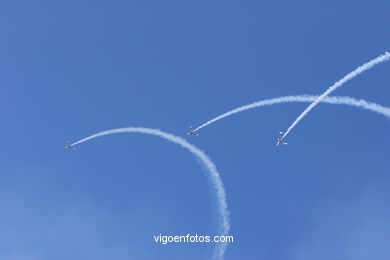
(361, 103)
(336, 85)
(216, 182)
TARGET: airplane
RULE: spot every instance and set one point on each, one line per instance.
(191, 132)
(280, 140)
(69, 146)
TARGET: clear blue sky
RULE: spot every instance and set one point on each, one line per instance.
(71, 68)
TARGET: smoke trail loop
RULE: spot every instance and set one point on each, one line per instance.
(335, 86)
(335, 100)
(215, 179)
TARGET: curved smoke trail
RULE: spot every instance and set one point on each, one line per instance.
(223, 213)
(336, 85)
(361, 103)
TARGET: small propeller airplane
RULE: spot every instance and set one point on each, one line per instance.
(191, 132)
(280, 139)
(69, 146)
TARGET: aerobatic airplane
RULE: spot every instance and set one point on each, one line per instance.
(69, 146)
(191, 132)
(280, 140)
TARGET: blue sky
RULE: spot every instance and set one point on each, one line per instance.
(70, 69)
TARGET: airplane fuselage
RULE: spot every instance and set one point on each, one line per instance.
(68, 147)
(280, 141)
(191, 132)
